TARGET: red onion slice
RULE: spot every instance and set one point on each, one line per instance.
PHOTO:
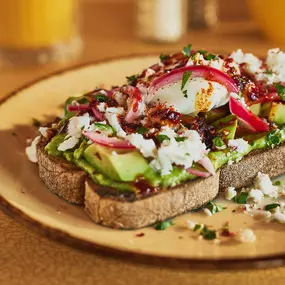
(106, 141)
(253, 122)
(198, 172)
(74, 108)
(97, 114)
(207, 72)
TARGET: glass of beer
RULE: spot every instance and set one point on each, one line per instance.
(38, 31)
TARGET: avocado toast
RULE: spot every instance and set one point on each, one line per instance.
(165, 142)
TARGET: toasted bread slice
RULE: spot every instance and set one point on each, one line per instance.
(60, 176)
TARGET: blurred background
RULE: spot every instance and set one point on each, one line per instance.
(38, 37)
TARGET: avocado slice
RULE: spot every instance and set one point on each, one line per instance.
(216, 114)
(119, 165)
(226, 126)
(256, 109)
(265, 109)
(277, 113)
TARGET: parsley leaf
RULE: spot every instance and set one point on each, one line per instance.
(197, 227)
(132, 80)
(208, 234)
(142, 130)
(100, 97)
(215, 208)
(187, 50)
(271, 206)
(210, 56)
(241, 198)
(180, 139)
(164, 57)
(185, 78)
(36, 123)
(268, 72)
(218, 142)
(161, 138)
(280, 90)
(161, 226)
(202, 51)
(277, 183)
(185, 93)
(273, 138)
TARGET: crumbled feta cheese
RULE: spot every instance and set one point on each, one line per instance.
(279, 217)
(260, 214)
(230, 193)
(256, 195)
(217, 63)
(120, 97)
(216, 241)
(246, 236)
(191, 225)
(149, 72)
(114, 110)
(276, 63)
(115, 124)
(43, 131)
(31, 151)
(197, 59)
(263, 182)
(74, 131)
(180, 153)
(239, 145)
(207, 212)
(101, 107)
(252, 63)
(146, 146)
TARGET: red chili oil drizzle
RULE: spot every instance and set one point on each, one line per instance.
(144, 188)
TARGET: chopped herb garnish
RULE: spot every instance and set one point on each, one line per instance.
(277, 183)
(161, 226)
(197, 227)
(132, 80)
(218, 142)
(161, 138)
(268, 72)
(208, 234)
(280, 90)
(100, 97)
(215, 208)
(83, 100)
(210, 56)
(185, 93)
(185, 78)
(241, 198)
(187, 50)
(274, 138)
(142, 130)
(164, 57)
(36, 123)
(202, 51)
(271, 206)
(180, 139)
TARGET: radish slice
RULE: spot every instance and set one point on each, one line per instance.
(207, 72)
(97, 114)
(135, 106)
(253, 122)
(106, 141)
(198, 172)
(74, 108)
(207, 164)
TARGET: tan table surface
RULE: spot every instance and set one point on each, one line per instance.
(27, 258)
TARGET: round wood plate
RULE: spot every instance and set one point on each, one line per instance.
(23, 195)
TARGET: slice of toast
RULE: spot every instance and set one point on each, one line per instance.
(68, 181)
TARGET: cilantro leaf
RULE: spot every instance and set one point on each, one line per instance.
(185, 78)
(185, 93)
(142, 130)
(208, 234)
(132, 80)
(215, 208)
(164, 57)
(269, 207)
(162, 137)
(241, 198)
(202, 51)
(273, 138)
(280, 90)
(161, 226)
(277, 183)
(100, 97)
(180, 139)
(197, 227)
(187, 50)
(218, 142)
(36, 123)
(210, 56)
(268, 72)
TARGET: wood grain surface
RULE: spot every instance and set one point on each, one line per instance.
(108, 30)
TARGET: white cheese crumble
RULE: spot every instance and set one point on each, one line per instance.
(74, 131)
(101, 107)
(239, 98)
(43, 131)
(149, 72)
(191, 225)
(230, 193)
(31, 151)
(276, 63)
(207, 212)
(263, 183)
(114, 110)
(256, 195)
(115, 124)
(146, 146)
(182, 153)
(246, 236)
(239, 145)
(279, 217)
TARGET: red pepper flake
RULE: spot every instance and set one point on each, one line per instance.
(140, 235)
